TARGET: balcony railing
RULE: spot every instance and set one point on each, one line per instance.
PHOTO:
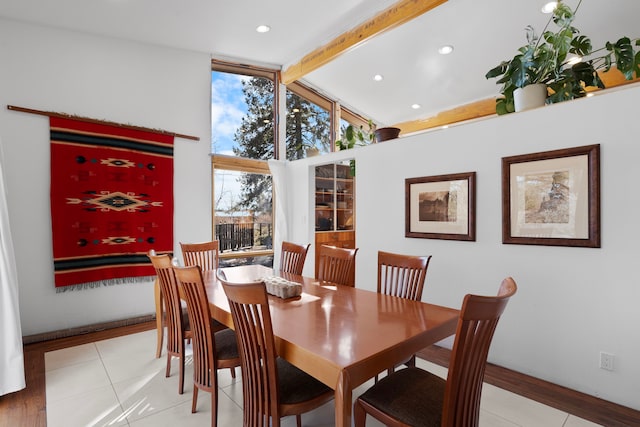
(244, 236)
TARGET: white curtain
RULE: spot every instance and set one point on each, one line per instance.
(278, 174)
(11, 357)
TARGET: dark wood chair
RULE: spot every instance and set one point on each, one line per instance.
(337, 265)
(402, 276)
(159, 303)
(177, 323)
(211, 350)
(415, 397)
(205, 254)
(271, 387)
(292, 257)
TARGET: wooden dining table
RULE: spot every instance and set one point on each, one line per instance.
(343, 336)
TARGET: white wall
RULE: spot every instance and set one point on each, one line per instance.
(108, 79)
(572, 303)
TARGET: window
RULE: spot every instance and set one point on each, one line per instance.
(361, 126)
(243, 211)
(243, 101)
(308, 123)
(243, 135)
(244, 111)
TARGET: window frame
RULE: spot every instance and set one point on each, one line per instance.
(235, 164)
(311, 95)
(248, 165)
(336, 110)
(254, 71)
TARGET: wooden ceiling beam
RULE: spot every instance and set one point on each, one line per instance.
(474, 110)
(487, 107)
(398, 14)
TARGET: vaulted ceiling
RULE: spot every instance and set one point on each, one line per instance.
(482, 33)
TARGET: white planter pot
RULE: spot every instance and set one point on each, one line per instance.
(529, 97)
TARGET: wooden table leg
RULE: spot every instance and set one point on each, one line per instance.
(343, 399)
(159, 317)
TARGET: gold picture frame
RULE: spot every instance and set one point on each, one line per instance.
(552, 198)
(441, 207)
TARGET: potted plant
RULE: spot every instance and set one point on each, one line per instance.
(386, 133)
(562, 60)
(352, 137)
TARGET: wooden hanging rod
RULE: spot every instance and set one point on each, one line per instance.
(103, 122)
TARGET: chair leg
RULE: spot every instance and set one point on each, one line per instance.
(167, 372)
(194, 400)
(411, 362)
(359, 415)
(214, 408)
(298, 420)
(233, 372)
(181, 379)
(159, 317)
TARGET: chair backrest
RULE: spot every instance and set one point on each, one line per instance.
(169, 290)
(292, 257)
(337, 265)
(402, 275)
(205, 254)
(192, 285)
(479, 317)
(252, 320)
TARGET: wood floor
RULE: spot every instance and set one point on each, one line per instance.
(28, 407)
(579, 404)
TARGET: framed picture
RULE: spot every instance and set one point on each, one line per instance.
(441, 207)
(552, 198)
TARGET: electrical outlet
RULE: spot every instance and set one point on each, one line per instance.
(606, 361)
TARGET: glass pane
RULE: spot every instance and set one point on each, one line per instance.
(362, 135)
(308, 128)
(334, 204)
(243, 211)
(242, 115)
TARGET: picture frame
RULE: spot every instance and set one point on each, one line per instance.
(552, 198)
(441, 207)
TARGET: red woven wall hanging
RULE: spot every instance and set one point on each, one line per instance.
(111, 202)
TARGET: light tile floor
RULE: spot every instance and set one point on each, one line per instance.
(119, 382)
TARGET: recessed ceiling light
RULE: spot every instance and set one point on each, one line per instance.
(445, 50)
(549, 7)
(378, 77)
(263, 28)
(415, 106)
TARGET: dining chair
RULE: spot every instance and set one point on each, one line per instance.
(159, 303)
(271, 387)
(337, 265)
(205, 254)
(292, 257)
(177, 322)
(402, 276)
(211, 350)
(415, 397)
